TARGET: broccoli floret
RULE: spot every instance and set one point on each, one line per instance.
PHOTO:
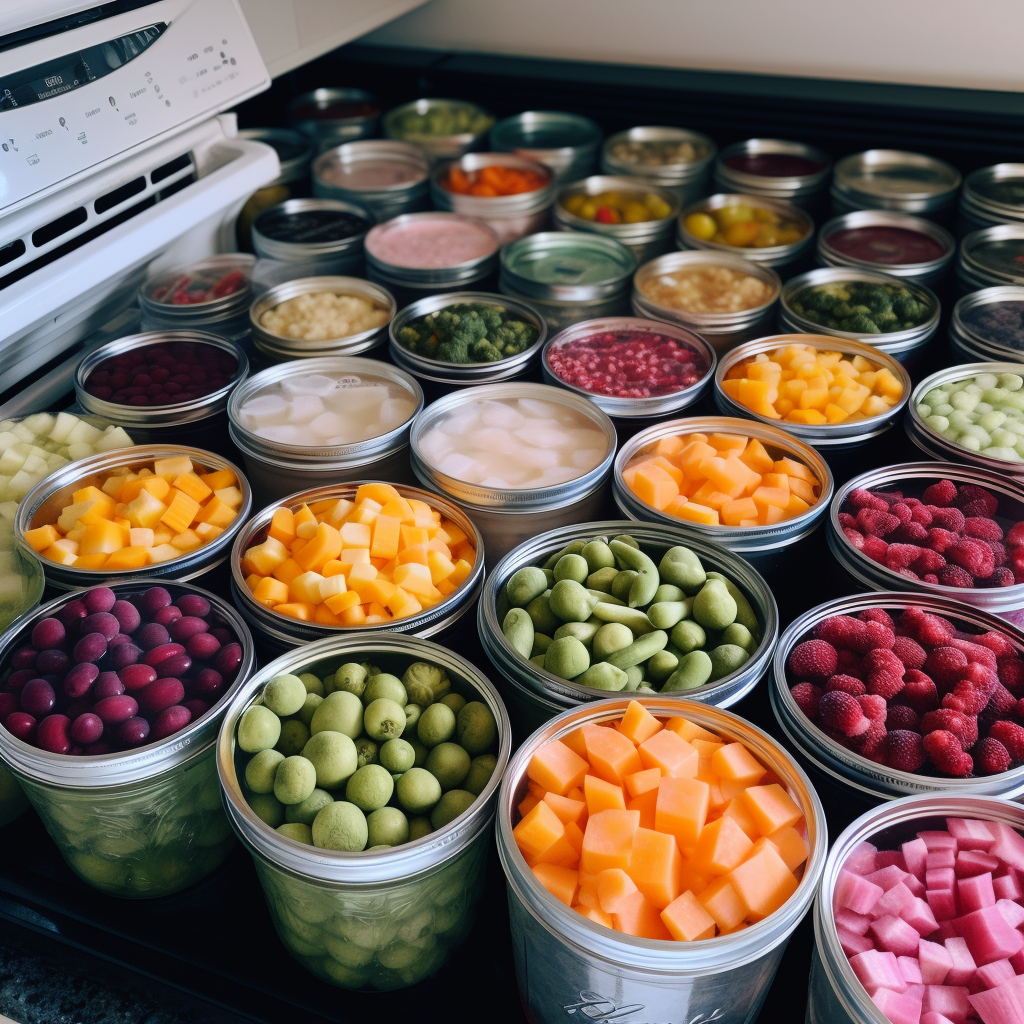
(879, 301)
(485, 351)
(457, 328)
(860, 323)
(514, 337)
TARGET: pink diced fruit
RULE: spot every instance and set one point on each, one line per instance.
(934, 930)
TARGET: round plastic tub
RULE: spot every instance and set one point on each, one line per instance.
(281, 633)
(567, 143)
(437, 145)
(991, 256)
(508, 216)
(891, 179)
(563, 960)
(278, 347)
(632, 408)
(905, 345)
(330, 116)
(322, 236)
(858, 778)
(778, 256)
(894, 243)
(792, 171)
(568, 276)
(646, 238)
(933, 444)
(534, 695)
(828, 437)
(442, 375)
(625, 152)
(993, 195)
(977, 341)
(834, 992)
(911, 478)
(762, 546)
(508, 516)
(295, 151)
(140, 823)
(722, 331)
(277, 469)
(383, 918)
(44, 502)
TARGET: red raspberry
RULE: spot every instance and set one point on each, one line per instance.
(840, 711)
(945, 665)
(930, 577)
(846, 520)
(909, 651)
(885, 684)
(883, 660)
(1011, 675)
(876, 635)
(902, 511)
(854, 537)
(871, 744)
(847, 684)
(848, 663)
(813, 659)
(934, 631)
(969, 493)
(954, 576)
(946, 754)
(983, 529)
(967, 698)
(984, 677)
(928, 562)
(1011, 736)
(940, 540)
(998, 549)
(942, 493)
(998, 643)
(975, 508)
(874, 707)
(991, 757)
(908, 573)
(975, 653)
(861, 498)
(807, 696)
(951, 519)
(1001, 705)
(889, 497)
(899, 716)
(1016, 535)
(875, 523)
(875, 548)
(899, 556)
(904, 751)
(879, 615)
(1002, 577)
(964, 728)
(839, 630)
(973, 555)
(921, 514)
(919, 691)
(911, 533)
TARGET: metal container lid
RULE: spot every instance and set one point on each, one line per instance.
(994, 195)
(210, 276)
(629, 233)
(441, 128)
(334, 112)
(624, 152)
(515, 205)
(294, 151)
(477, 248)
(567, 143)
(567, 266)
(350, 168)
(891, 179)
(158, 415)
(992, 256)
(974, 325)
(772, 167)
(893, 240)
(302, 229)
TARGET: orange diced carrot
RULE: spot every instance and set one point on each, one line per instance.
(790, 846)
(734, 761)
(612, 756)
(42, 537)
(557, 768)
(653, 486)
(575, 742)
(324, 546)
(737, 810)
(527, 804)
(682, 809)
(566, 808)
(656, 865)
(608, 840)
(602, 796)
(595, 914)
(688, 730)
(638, 724)
(562, 883)
(687, 920)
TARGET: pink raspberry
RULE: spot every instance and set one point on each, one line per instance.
(1001, 705)
(928, 562)
(885, 684)
(902, 511)
(1011, 675)
(909, 651)
(967, 494)
(951, 519)
(899, 716)
(921, 514)
(998, 549)
(871, 744)
(845, 520)
(874, 707)
(930, 577)
(911, 533)
(879, 615)
(847, 684)
(942, 493)
(946, 754)
(934, 630)
(875, 548)
(904, 750)
(954, 576)
(940, 540)
(973, 555)
(838, 631)
(807, 696)
(975, 653)
(839, 710)
(907, 573)
(1016, 535)
(964, 728)
(854, 537)
(1011, 735)
(876, 635)
(883, 660)
(861, 498)
(945, 665)
(812, 659)
(983, 529)
(975, 508)
(1002, 577)
(877, 524)
(919, 691)
(984, 677)
(967, 698)
(899, 556)
(991, 757)
(998, 643)
(848, 663)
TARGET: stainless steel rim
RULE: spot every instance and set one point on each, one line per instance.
(628, 234)
(514, 134)
(731, 179)
(991, 211)
(976, 274)
(848, 170)
(213, 311)
(291, 252)
(492, 207)
(377, 150)
(663, 174)
(292, 169)
(969, 341)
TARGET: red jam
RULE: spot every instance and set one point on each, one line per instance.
(774, 165)
(165, 373)
(627, 364)
(887, 246)
(190, 289)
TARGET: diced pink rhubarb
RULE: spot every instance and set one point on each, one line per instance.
(934, 1018)
(941, 858)
(893, 901)
(939, 878)
(1007, 887)
(935, 962)
(894, 935)
(946, 930)
(942, 903)
(1008, 846)
(856, 923)
(856, 893)
(861, 860)
(875, 970)
(988, 935)
(1013, 913)
(886, 858)
(919, 916)
(853, 943)
(1001, 1005)
(914, 854)
(911, 970)
(974, 862)
(900, 1008)
(976, 892)
(937, 840)
(964, 966)
(889, 876)
(1017, 961)
(949, 1000)
(994, 974)
(971, 834)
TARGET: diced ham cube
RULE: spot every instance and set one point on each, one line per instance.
(988, 935)
(935, 962)
(875, 970)
(949, 1000)
(964, 966)
(974, 862)
(856, 893)
(894, 935)
(971, 834)
(976, 892)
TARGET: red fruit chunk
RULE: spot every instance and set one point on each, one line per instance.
(855, 537)
(951, 519)
(910, 653)
(840, 711)
(963, 728)
(848, 684)
(52, 734)
(955, 576)
(928, 562)
(941, 493)
(947, 755)
(945, 664)
(1011, 675)
(939, 539)
(974, 556)
(1016, 535)
(983, 528)
(874, 707)
(1002, 577)
(1011, 736)
(919, 691)
(988, 935)
(875, 548)
(807, 696)
(170, 721)
(900, 716)
(874, 523)
(967, 494)
(812, 659)
(904, 751)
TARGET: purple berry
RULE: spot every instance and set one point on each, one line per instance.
(197, 708)
(209, 682)
(91, 647)
(48, 633)
(152, 635)
(52, 662)
(125, 655)
(176, 666)
(187, 626)
(24, 657)
(228, 659)
(162, 653)
(194, 604)
(95, 749)
(38, 698)
(103, 623)
(99, 599)
(170, 721)
(86, 729)
(134, 732)
(73, 612)
(167, 615)
(202, 646)
(163, 693)
(118, 640)
(16, 680)
(8, 703)
(52, 734)
(114, 710)
(225, 636)
(108, 685)
(135, 677)
(21, 725)
(79, 680)
(153, 600)
(127, 616)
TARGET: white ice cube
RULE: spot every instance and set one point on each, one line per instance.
(394, 412)
(311, 384)
(536, 458)
(286, 433)
(586, 458)
(305, 408)
(435, 446)
(460, 423)
(542, 437)
(498, 414)
(459, 466)
(493, 440)
(533, 407)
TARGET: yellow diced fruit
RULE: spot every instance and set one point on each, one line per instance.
(355, 535)
(270, 592)
(163, 553)
(462, 570)
(231, 496)
(191, 485)
(113, 485)
(342, 602)
(414, 578)
(102, 502)
(403, 604)
(97, 561)
(332, 585)
(140, 537)
(811, 416)
(42, 537)
(216, 513)
(70, 514)
(282, 526)
(875, 406)
(306, 588)
(364, 514)
(337, 513)
(181, 511)
(218, 479)
(187, 540)
(386, 537)
(834, 414)
(146, 510)
(177, 465)
(206, 532)
(440, 566)
(127, 558)
(304, 521)
(102, 538)
(63, 552)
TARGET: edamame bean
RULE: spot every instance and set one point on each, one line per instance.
(570, 602)
(541, 643)
(571, 567)
(694, 670)
(524, 585)
(602, 676)
(566, 658)
(518, 630)
(598, 555)
(745, 614)
(681, 567)
(611, 637)
(688, 636)
(624, 538)
(544, 619)
(634, 677)
(573, 548)
(726, 659)
(601, 597)
(601, 580)
(341, 711)
(583, 631)
(739, 635)
(622, 583)
(668, 592)
(385, 685)
(714, 607)
(661, 666)
(643, 588)
(632, 617)
(639, 650)
(665, 614)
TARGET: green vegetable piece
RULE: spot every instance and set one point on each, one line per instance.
(571, 567)
(598, 555)
(714, 607)
(284, 695)
(308, 709)
(417, 791)
(639, 650)
(450, 806)
(632, 617)
(481, 768)
(665, 614)
(668, 592)
(412, 716)
(644, 587)
(477, 730)
(455, 701)
(297, 832)
(622, 583)
(549, 577)
(574, 547)
(397, 755)
(634, 677)
(386, 826)
(424, 683)
(517, 628)
(436, 725)
(688, 636)
(602, 598)
(449, 764)
(267, 808)
(305, 812)
(385, 720)
(602, 676)
(612, 637)
(294, 736)
(601, 579)
(538, 660)
(258, 729)
(541, 643)
(351, 678)
(544, 619)
(386, 686)
(370, 788)
(333, 755)
(341, 711)
(260, 771)
(745, 614)
(419, 750)
(340, 826)
(681, 567)
(739, 635)
(294, 780)
(566, 658)
(661, 665)
(366, 751)
(624, 538)
(418, 828)
(524, 585)
(726, 659)
(570, 601)
(313, 684)
(694, 670)
(583, 631)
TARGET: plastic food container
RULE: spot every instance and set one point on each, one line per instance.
(829, 437)
(912, 478)
(448, 375)
(910, 248)
(989, 324)
(634, 408)
(379, 919)
(834, 992)
(43, 504)
(533, 695)
(770, 256)
(568, 276)
(722, 331)
(508, 516)
(509, 217)
(563, 960)
(385, 177)
(139, 823)
(991, 256)
(277, 469)
(278, 347)
(934, 444)
(792, 171)
(673, 158)
(295, 152)
(645, 239)
(891, 179)
(281, 633)
(325, 236)
(902, 345)
(421, 254)
(567, 143)
(333, 116)
(857, 776)
(443, 129)
(993, 195)
(197, 419)
(762, 546)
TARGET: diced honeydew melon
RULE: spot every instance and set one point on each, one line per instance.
(11, 461)
(64, 425)
(85, 432)
(79, 450)
(40, 423)
(21, 483)
(113, 438)
(55, 461)
(12, 588)
(8, 510)
(35, 465)
(22, 432)
(7, 439)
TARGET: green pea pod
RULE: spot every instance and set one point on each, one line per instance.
(524, 585)
(681, 567)
(598, 555)
(544, 619)
(601, 579)
(714, 607)
(644, 587)
(567, 658)
(571, 567)
(518, 630)
(629, 556)
(611, 637)
(739, 635)
(603, 676)
(688, 636)
(668, 592)
(572, 548)
(625, 538)
(665, 614)
(634, 677)
(570, 601)
(583, 631)
(745, 614)
(726, 659)
(541, 642)
(622, 582)
(694, 670)
(661, 666)
(632, 617)
(600, 595)
(639, 650)
(538, 660)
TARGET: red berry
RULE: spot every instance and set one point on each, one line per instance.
(1002, 577)
(954, 576)
(967, 698)
(983, 528)
(875, 523)
(812, 659)
(807, 696)
(875, 548)
(945, 665)
(1011, 675)
(946, 754)
(1016, 535)
(921, 514)
(969, 493)
(964, 728)
(909, 651)
(899, 716)
(940, 540)
(991, 757)
(874, 707)
(846, 684)
(839, 710)
(942, 493)
(919, 691)
(854, 537)
(904, 750)
(1011, 736)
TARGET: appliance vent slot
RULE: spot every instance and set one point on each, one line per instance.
(171, 167)
(176, 186)
(11, 251)
(118, 195)
(48, 232)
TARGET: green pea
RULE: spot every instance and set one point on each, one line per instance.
(570, 602)
(668, 592)
(386, 826)
(665, 614)
(436, 725)
(397, 755)
(714, 607)
(258, 729)
(524, 585)
(544, 619)
(294, 736)
(745, 614)
(294, 780)
(450, 806)
(455, 701)
(260, 771)
(688, 636)
(481, 768)
(418, 828)
(333, 755)
(622, 583)
(518, 630)
(296, 831)
(598, 555)
(583, 631)
(308, 709)
(366, 751)
(566, 658)
(541, 643)
(726, 659)
(602, 579)
(661, 666)
(449, 764)
(267, 808)
(306, 811)
(681, 567)
(384, 719)
(476, 728)
(284, 695)
(417, 791)
(351, 678)
(602, 676)
(312, 683)
(340, 826)
(340, 711)
(571, 567)
(635, 619)
(370, 787)
(739, 635)
(386, 686)
(611, 637)
(694, 670)
(639, 650)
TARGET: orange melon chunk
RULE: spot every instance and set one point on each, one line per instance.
(614, 889)
(643, 782)
(671, 754)
(771, 807)
(538, 831)
(656, 866)
(638, 724)
(566, 808)
(557, 768)
(687, 920)
(602, 796)
(562, 883)
(682, 809)
(722, 904)
(608, 841)
(734, 761)
(647, 805)
(641, 919)
(612, 756)
(722, 846)
(763, 883)
(790, 846)
(595, 914)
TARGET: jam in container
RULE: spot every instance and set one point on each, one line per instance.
(792, 171)
(989, 324)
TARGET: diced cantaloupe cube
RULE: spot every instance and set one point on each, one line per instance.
(180, 512)
(63, 552)
(762, 882)
(734, 761)
(216, 513)
(638, 724)
(722, 904)
(656, 865)
(265, 558)
(567, 809)
(608, 840)
(755, 456)
(538, 831)
(230, 496)
(186, 541)
(282, 526)
(687, 920)
(614, 888)
(670, 754)
(654, 486)
(102, 538)
(163, 553)
(682, 809)
(306, 588)
(127, 558)
(722, 846)
(324, 546)
(219, 478)
(689, 731)
(771, 807)
(42, 537)
(304, 521)
(207, 532)
(343, 602)
(141, 537)
(611, 755)
(191, 485)
(270, 592)
(562, 883)
(694, 512)
(602, 796)
(640, 918)
(302, 610)
(557, 767)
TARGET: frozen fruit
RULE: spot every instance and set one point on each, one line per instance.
(813, 659)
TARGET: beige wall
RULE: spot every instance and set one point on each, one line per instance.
(964, 43)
